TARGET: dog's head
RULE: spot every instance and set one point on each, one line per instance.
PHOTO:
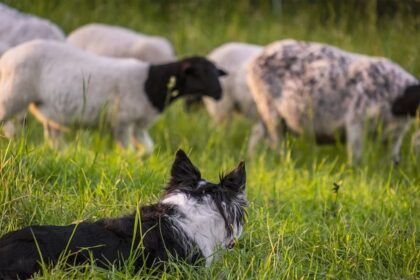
(219, 207)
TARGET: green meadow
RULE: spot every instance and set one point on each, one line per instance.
(297, 226)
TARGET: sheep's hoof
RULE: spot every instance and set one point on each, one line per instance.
(10, 130)
(142, 150)
(354, 161)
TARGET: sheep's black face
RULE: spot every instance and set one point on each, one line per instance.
(408, 103)
(200, 77)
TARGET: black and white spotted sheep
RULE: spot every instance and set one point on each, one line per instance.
(324, 92)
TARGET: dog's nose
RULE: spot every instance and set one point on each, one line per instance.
(231, 245)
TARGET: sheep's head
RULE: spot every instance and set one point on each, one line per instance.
(200, 77)
(408, 103)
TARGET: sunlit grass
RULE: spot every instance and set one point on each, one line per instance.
(297, 227)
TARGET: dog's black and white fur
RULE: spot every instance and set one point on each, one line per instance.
(193, 219)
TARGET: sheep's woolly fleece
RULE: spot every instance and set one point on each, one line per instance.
(233, 57)
(321, 90)
(17, 27)
(116, 41)
(94, 86)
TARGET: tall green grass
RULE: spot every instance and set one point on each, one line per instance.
(297, 226)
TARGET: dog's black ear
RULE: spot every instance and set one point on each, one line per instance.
(222, 72)
(236, 179)
(183, 171)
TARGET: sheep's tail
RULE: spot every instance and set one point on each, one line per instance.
(408, 103)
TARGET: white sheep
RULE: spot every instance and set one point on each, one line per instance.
(322, 91)
(17, 27)
(234, 58)
(116, 41)
(3, 48)
(64, 86)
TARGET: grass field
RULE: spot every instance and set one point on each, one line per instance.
(297, 227)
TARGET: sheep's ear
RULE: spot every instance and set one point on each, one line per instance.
(222, 72)
(186, 67)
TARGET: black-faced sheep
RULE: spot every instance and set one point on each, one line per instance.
(65, 86)
(323, 91)
(116, 41)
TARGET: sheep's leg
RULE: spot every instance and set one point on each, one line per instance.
(142, 141)
(10, 107)
(271, 120)
(52, 130)
(220, 110)
(397, 139)
(122, 135)
(354, 137)
(415, 142)
(12, 111)
(13, 127)
(266, 95)
(10, 129)
(275, 132)
(258, 132)
(52, 134)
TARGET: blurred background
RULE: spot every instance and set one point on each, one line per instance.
(389, 28)
(380, 27)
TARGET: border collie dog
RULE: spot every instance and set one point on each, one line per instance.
(194, 218)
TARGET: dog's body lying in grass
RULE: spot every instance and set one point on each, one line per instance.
(193, 219)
